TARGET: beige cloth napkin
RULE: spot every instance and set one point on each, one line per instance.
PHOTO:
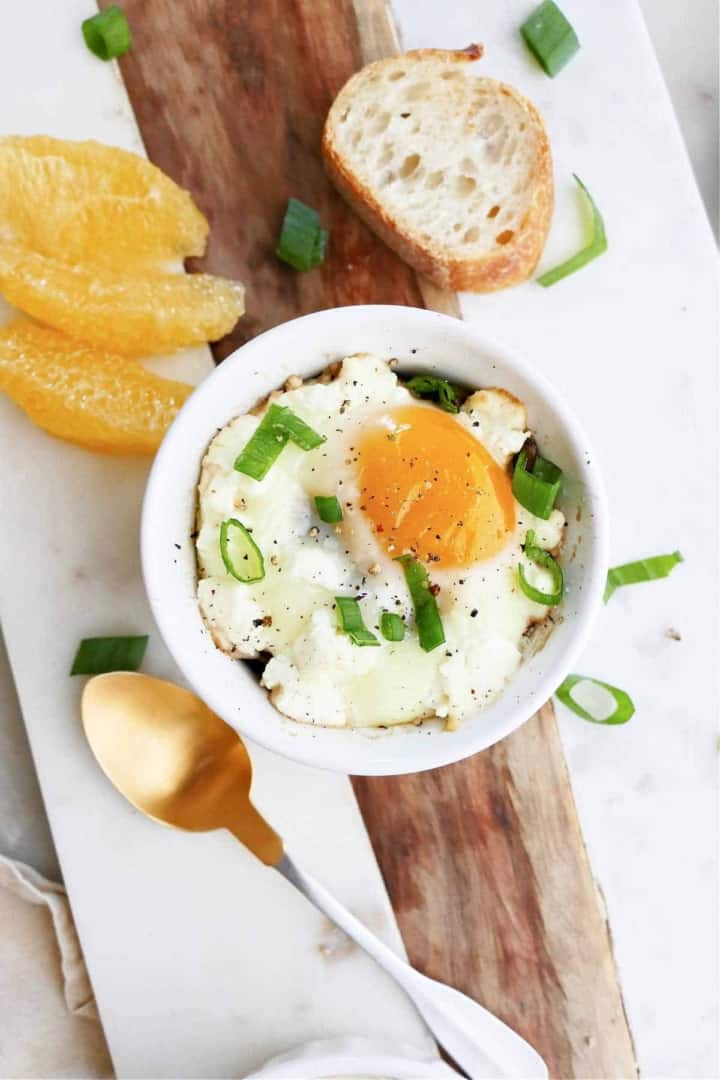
(49, 1024)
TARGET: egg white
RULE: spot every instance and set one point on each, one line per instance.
(316, 674)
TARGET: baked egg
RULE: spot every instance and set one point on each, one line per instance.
(376, 550)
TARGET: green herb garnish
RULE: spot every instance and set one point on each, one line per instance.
(544, 559)
(550, 37)
(298, 431)
(302, 240)
(633, 573)
(427, 616)
(329, 509)
(536, 488)
(97, 655)
(392, 626)
(624, 706)
(596, 246)
(351, 621)
(107, 34)
(240, 554)
(278, 426)
(264, 446)
(438, 390)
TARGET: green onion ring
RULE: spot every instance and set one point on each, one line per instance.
(625, 708)
(544, 559)
(242, 557)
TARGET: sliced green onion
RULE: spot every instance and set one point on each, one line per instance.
(538, 488)
(107, 34)
(596, 246)
(241, 555)
(264, 446)
(96, 655)
(302, 240)
(329, 509)
(633, 573)
(319, 248)
(300, 433)
(550, 37)
(544, 559)
(392, 626)
(438, 390)
(427, 616)
(278, 425)
(351, 621)
(624, 705)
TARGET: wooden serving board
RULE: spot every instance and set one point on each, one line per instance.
(484, 861)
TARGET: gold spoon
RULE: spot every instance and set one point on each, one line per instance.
(179, 763)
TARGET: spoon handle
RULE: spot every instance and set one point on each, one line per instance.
(476, 1040)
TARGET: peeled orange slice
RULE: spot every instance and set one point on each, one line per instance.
(89, 203)
(139, 315)
(96, 399)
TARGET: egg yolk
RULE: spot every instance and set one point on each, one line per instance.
(428, 486)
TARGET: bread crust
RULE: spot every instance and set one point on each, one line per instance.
(509, 265)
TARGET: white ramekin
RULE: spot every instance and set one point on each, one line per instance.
(421, 341)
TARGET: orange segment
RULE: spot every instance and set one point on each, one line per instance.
(86, 202)
(430, 487)
(98, 400)
(139, 315)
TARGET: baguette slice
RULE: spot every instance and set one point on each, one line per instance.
(452, 171)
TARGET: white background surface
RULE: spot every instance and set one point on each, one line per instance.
(631, 343)
(685, 38)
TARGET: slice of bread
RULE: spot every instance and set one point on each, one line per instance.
(453, 171)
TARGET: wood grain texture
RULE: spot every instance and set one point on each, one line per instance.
(484, 860)
(230, 98)
(491, 885)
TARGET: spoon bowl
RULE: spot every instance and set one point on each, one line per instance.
(174, 759)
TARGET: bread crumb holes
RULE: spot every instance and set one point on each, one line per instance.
(409, 166)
